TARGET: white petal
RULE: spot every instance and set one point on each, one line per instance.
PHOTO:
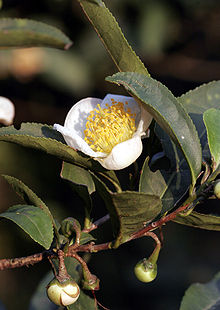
(7, 111)
(77, 116)
(146, 117)
(128, 102)
(76, 142)
(123, 154)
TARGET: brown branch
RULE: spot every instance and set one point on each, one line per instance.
(91, 247)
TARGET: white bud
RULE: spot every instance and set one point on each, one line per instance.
(63, 294)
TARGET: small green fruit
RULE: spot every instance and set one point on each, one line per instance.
(63, 294)
(217, 189)
(145, 270)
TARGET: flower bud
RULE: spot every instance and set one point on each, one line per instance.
(145, 270)
(217, 189)
(63, 294)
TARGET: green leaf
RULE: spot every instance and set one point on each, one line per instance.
(18, 32)
(202, 296)
(45, 138)
(199, 220)
(78, 175)
(35, 222)
(212, 122)
(129, 211)
(169, 185)
(196, 102)
(112, 37)
(167, 112)
(85, 238)
(27, 194)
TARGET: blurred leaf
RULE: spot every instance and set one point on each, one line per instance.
(196, 102)
(202, 296)
(129, 211)
(78, 175)
(158, 27)
(35, 222)
(111, 35)
(17, 32)
(45, 138)
(212, 122)
(198, 220)
(167, 112)
(84, 302)
(27, 194)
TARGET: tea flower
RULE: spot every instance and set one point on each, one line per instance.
(109, 130)
(7, 111)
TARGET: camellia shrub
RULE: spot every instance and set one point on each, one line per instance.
(179, 138)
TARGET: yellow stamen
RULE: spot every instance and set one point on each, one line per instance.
(106, 127)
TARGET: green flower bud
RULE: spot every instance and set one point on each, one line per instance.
(63, 294)
(217, 189)
(145, 270)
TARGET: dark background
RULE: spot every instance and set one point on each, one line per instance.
(179, 42)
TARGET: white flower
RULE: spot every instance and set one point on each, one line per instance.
(109, 130)
(7, 111)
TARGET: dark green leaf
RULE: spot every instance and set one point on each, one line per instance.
(85, 238)
(44, 138)
(212, 122)
(78, 175)
(202, 296)
(167, 112)
(169, 185)
(198, 220)
(35, 222)
(110, 33)
(27, 194)
(129, 211)
(17, 32)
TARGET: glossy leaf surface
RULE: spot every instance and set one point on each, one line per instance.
(17, 32)
(167, 112)
(34, 221)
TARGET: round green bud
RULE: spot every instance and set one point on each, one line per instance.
(145, 270)
(63, 294)
(217, 189)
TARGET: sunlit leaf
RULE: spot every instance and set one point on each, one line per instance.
(34, 221)
(212, 123)
(202, 296)
(167, 112)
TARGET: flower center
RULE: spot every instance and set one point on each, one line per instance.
(107, 127)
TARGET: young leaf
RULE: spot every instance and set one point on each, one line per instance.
(199, 220)
(17, 32)
(35, 222)
(202, 296)
(129, 211)
(167, 112)
(112, 37)
(212, 122)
